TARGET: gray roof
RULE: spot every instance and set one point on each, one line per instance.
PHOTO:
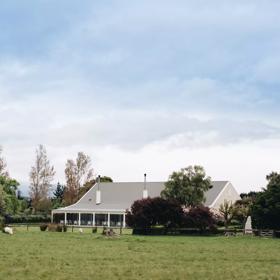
(120, 196)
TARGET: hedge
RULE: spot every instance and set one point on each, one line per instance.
(175, 231)
(22, 219)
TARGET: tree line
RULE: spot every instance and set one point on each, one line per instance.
(43, 194)
(186, 187)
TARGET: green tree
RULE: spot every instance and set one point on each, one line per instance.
(187, 186)
(2, 202)
(227, 212)
(9, 201)
(105, 179)
(58, 194)
(266, 207)
(242, 209)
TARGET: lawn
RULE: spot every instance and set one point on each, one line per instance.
(44, 255)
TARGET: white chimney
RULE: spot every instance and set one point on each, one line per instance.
(145, 191)
(98, 192)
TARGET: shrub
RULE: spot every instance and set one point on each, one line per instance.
(200, 217)
(64, 228)
(149, 212)
(2, 223)
(150, 231)
(52, 227)
(59, 228)
(26, 219)
(94, 230)
(56, 228)
(43, 227)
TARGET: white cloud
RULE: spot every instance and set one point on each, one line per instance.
(148, 86)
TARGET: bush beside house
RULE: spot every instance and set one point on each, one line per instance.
(157, 216)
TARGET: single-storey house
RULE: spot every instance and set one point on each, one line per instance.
(105, 204)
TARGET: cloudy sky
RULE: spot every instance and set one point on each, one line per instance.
(142, 86)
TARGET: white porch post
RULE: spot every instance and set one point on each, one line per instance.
(65, 218)
(79, 222)
(123, 220)
(108, 219)
(93, 219)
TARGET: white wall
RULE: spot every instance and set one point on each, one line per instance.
(228, 193)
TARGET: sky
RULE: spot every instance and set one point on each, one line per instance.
(145, 86)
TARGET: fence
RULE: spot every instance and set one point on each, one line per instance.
(72, 228)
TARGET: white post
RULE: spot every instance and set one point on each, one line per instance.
(108, 220)
(65, 218)
(93, 219)
(124, 220)
(79, 222)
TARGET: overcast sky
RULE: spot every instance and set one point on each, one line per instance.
(142, 86)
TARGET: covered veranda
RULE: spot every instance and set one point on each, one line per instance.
(88, 218)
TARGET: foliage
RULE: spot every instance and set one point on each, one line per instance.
(266, 207)
(24, 205)
(199, 217)
(3, 166)
(187, 186)
(58, 194)
(41, 176)
(250, 195)
(78, 173)
(106, 179)
(2, 202)
(43, 227)
(2, 222)
(27, 219)
(9, 185)
(227, 212)
(149, 212)
(44, 206)
(242, 210)
(55, 228)
(9, 203)
(88, 185)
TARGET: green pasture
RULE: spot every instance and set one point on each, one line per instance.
(45, 255)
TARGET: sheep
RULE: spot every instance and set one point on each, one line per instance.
(8, 230)
(81, 230)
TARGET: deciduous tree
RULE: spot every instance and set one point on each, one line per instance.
(3, 165)
(41, 177)
(227, 212)
(78, 173)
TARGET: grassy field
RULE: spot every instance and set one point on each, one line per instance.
(45, 255)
